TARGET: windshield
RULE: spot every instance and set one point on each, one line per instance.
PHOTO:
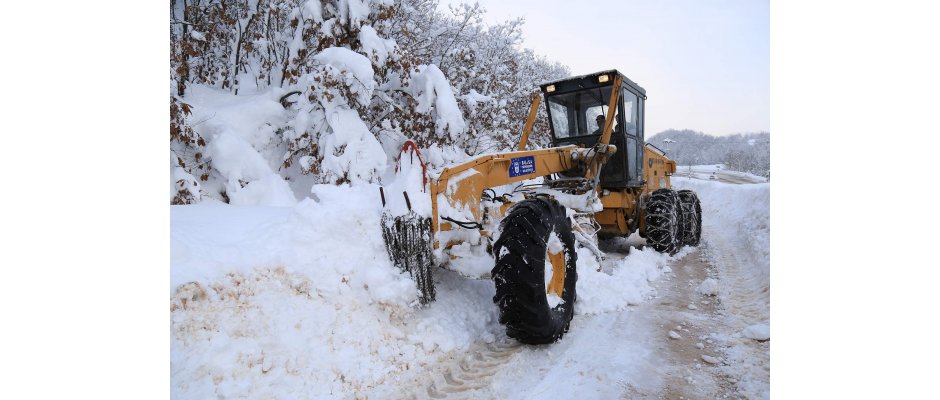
(579, 113)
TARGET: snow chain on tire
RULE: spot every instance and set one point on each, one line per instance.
(663, 220)
(519, 273)
(692, 209)
(408, 242)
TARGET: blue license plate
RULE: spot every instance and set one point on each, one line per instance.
(522, 166)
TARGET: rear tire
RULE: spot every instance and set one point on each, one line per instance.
(692, 208)
(520, 271)
(663, 221)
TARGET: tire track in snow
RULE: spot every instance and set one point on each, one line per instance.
(469, 376)
(743, 294)
(684, 373)
(746, 298)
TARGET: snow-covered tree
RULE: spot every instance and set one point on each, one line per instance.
(493, 78)
(327, 58)
(355, 79)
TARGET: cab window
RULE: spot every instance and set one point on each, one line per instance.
(630, 112)
(576, 113)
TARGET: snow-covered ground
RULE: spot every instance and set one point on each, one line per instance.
(302, 302)
(736, 236)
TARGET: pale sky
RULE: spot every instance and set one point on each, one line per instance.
(705, 65)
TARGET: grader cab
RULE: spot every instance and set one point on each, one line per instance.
(527, 212)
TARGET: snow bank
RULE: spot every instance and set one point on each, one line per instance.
(294, 299)
(628, 283)
(738, 212)
(209, 240)
(339, 235)
(280, 334)
(302, 302)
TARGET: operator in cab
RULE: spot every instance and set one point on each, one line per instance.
(600, 125)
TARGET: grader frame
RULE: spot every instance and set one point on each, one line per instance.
(462, 184)
(642, 202)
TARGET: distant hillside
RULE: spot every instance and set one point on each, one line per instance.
(747, 152)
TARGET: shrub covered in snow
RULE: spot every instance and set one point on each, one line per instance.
(492, 77)
(327, 91)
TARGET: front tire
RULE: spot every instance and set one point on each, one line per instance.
(536, 241)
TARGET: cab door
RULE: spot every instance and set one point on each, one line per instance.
(633, 131)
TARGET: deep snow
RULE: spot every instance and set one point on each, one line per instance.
(302, 302)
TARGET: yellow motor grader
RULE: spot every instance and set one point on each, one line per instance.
(528, 210)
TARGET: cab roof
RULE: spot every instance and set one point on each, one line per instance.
(589, 81)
